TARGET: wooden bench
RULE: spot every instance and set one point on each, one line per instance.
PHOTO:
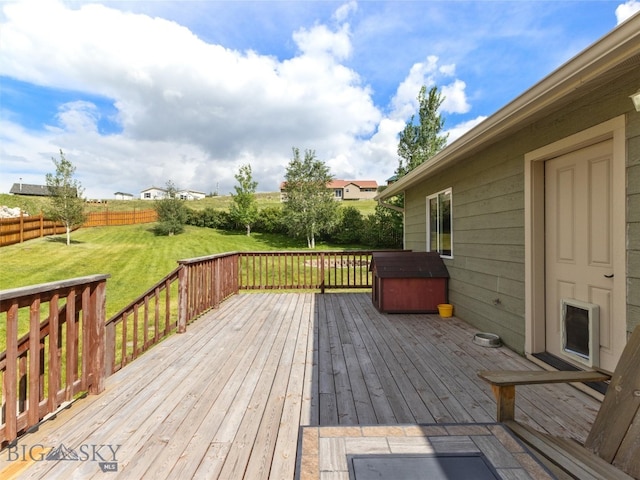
(612, 448)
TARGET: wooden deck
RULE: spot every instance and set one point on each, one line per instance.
(226, 399)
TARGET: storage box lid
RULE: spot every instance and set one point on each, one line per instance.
(408, 265)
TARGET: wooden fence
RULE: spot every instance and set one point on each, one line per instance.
(73, 350)
(23, 228)
(109, 218)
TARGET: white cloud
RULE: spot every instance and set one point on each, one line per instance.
(626, 10)
(429, 73)
(342, 12)
(190, 111)
(79, 116)
(455, 99)
(319, 40)
(405, 103)
(460, 129)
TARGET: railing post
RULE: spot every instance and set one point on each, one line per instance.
(183, 301)
(11, 374)
(110, 349)
(322, 272)
(21, 226)
(97, 360)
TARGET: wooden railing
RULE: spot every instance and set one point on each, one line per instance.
(59, 357)
(141, 324)
(204, 283)
(73, 350)
(305, 270)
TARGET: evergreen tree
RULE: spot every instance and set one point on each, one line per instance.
(417, 143)
(172, 213)
(420, 142)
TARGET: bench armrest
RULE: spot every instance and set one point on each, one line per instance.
(503, 384)
(531, 377)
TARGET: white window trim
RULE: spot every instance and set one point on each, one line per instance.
(428, 219)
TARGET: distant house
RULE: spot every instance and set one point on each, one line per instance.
(123, 196)
(345, 189)
(155, 193)
(29, 190)
(191, 195)
(354, 189)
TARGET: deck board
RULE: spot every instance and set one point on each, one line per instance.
(226, 399)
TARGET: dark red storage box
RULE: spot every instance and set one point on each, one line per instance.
(409, 282)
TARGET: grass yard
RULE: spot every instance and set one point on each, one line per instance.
(133, 256)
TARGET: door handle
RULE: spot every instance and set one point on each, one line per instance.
(609, 276)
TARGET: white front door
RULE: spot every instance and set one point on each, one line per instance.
(580, 248)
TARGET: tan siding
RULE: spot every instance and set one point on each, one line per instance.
(633, 219)
(499, 253)
(488, 240)
(415, 219)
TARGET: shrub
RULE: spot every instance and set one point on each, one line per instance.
(382, 229)
(210, 218)
(172, 213)
(349, 227)
(270, 220)
(169, 227)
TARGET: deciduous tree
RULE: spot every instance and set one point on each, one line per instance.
(67, 204)
(244, 209)
(309, 207)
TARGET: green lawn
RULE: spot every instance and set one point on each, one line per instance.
(133, 256)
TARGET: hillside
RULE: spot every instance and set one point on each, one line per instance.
(33, 205)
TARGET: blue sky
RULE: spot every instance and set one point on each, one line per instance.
(137, 93)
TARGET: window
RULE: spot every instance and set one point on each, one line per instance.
(147, 194)
(338, 193)
(439, 234)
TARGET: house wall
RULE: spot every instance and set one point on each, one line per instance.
(633, 220)
(355, 193)
(487, 269)
(153, 193)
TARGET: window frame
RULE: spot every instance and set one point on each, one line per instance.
(439, 222)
